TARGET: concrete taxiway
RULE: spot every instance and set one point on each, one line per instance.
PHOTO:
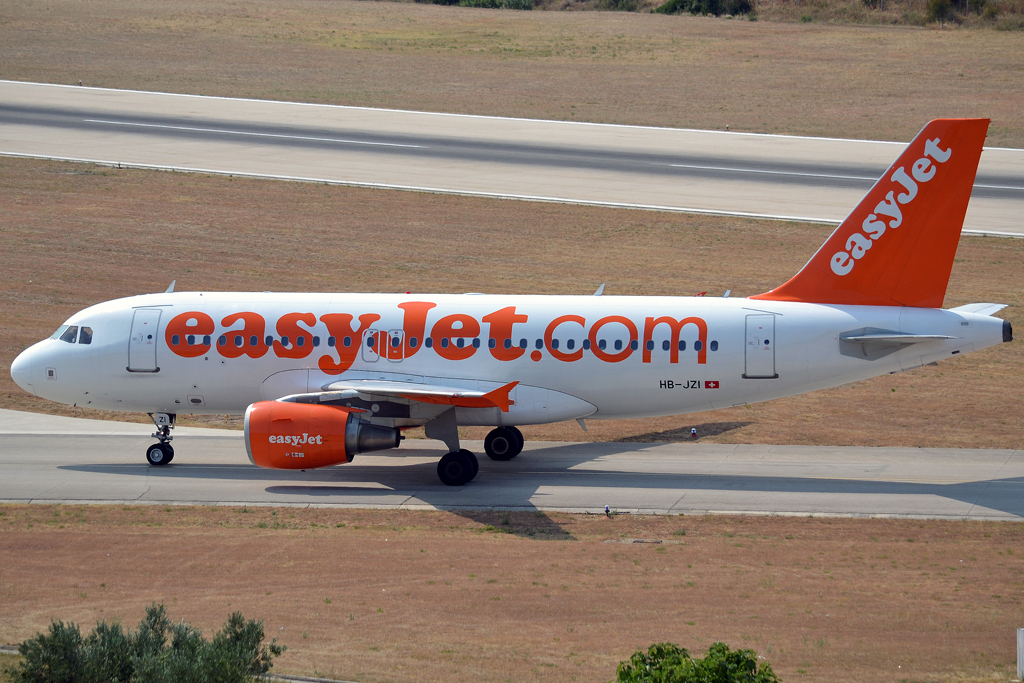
(48, 459)
(712, 172)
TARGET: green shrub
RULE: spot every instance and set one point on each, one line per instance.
(668, 663)
(940, 11)
(110, 655)
(496, 4)
(715, 7)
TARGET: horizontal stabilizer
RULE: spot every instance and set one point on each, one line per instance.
(895, 338)
(980, 309)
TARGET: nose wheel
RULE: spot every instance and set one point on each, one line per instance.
(458, 468)
(161, 453)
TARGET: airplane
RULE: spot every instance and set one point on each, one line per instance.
(323, 377)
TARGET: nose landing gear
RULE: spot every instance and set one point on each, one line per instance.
(161, 453)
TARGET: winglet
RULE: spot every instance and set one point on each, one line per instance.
(896, 248)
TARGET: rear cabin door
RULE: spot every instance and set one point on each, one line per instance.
(142, 343)
(760, 347)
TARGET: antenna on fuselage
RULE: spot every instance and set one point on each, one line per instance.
(170, 288)
(600, 290)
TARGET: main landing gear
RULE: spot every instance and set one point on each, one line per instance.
(161, 453)
(504, 443)
(458, 468)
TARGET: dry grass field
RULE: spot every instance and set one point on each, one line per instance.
(75, 235)
(433, 596)
(871, 82)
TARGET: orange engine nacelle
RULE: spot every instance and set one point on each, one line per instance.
(304, 436)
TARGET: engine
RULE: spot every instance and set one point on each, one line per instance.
(304, 436)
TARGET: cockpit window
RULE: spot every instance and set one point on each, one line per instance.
(59, 332)
(70, 334)
(86, 336)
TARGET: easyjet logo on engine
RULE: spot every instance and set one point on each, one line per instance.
(888, 214)
(296, 440)
(454, 337)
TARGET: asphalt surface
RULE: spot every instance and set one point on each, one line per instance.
(668, 169)
(47, 459)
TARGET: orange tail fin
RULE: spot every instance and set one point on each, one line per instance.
(896, 248)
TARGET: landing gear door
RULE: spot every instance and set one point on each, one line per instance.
(143, 341)
(760, 347)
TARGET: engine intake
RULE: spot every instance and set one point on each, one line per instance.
(304, 436)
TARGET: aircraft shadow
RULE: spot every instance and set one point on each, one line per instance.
(513, 485)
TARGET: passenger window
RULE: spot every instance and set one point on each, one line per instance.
(284, 341)
(413, 342)
(70, 334)
(254, 340)
(665, 345)
(239, 341)
(540, 343)
(428, 342)
(697, 346)
(492, 343)
(269, 340)
(476, 343)
(554, 343)
(59, 332)
(586, 344)
(682, 345)
(650, 344)
(618, 344)
(508, 343)
(714, 346)
(522, 343)
(348, 341)
(316, 342)
(331, 341)
(570, 344)
(86, 336)
(601, 344)
(634, 344)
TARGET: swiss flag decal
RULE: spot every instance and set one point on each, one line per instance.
(711, 384)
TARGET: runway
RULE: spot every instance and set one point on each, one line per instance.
(713, 172)
(48, 459)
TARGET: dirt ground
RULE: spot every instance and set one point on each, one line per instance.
(74, 235)
(873, 82)
(435, 596)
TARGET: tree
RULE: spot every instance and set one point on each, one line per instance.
(669, 663)
(157, 652)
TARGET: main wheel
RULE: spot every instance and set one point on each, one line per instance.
(473, 462)
(159, 454)
(455, 469)
(519, 436)
(503, 443)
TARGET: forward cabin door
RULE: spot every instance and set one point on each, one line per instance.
(142, 343)
(760, 348)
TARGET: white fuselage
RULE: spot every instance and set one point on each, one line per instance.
(728, 351)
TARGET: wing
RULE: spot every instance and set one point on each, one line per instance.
(360, 393)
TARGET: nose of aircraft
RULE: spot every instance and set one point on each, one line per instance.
(21, 371)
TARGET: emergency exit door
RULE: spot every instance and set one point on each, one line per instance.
(760, 347)
(143, 341)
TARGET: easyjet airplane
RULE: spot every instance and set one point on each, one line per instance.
(322, 377)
